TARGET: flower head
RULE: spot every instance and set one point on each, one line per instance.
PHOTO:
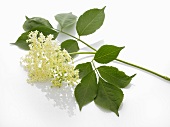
(47, 62)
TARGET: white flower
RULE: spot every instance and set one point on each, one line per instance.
(47, 62)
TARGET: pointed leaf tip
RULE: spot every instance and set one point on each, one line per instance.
(117, 114)
(26, 17)
(123, 47)
(104, 7)
(133, 75)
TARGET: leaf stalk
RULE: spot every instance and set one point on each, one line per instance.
(73, 53)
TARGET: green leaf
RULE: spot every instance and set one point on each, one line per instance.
(85, 92)
(90, 21)
(109, 96)
(70, 45)
(114, 76)
(34, 22)
(66, 19)
(21, 41)
(84, 69)
(107, 53)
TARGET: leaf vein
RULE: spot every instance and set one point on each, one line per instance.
(90, 22)
(112, 76)
(105, 55)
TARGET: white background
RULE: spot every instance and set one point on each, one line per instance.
(142, 26)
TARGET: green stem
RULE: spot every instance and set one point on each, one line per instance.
(77, 39)
(145, 69)
(122, 61)
(73, 53)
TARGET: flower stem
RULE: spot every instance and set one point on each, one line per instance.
(119, 60)
(73, 53)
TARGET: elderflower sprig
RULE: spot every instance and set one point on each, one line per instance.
(47, 62)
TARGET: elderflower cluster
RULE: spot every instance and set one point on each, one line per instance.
(47, 62)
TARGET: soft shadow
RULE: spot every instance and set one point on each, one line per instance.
(63, 97)
(96, 45)
(121, 106)
(82, 58)
(129, 86)
(109, 111)
(103, 109)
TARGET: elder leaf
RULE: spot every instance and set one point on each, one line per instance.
(114, 76)
(21, 41)
(86, 91)
(70, 45)
(109, 96)
(34, 22)
(90, 21)
(107, 53)
(66, 19)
